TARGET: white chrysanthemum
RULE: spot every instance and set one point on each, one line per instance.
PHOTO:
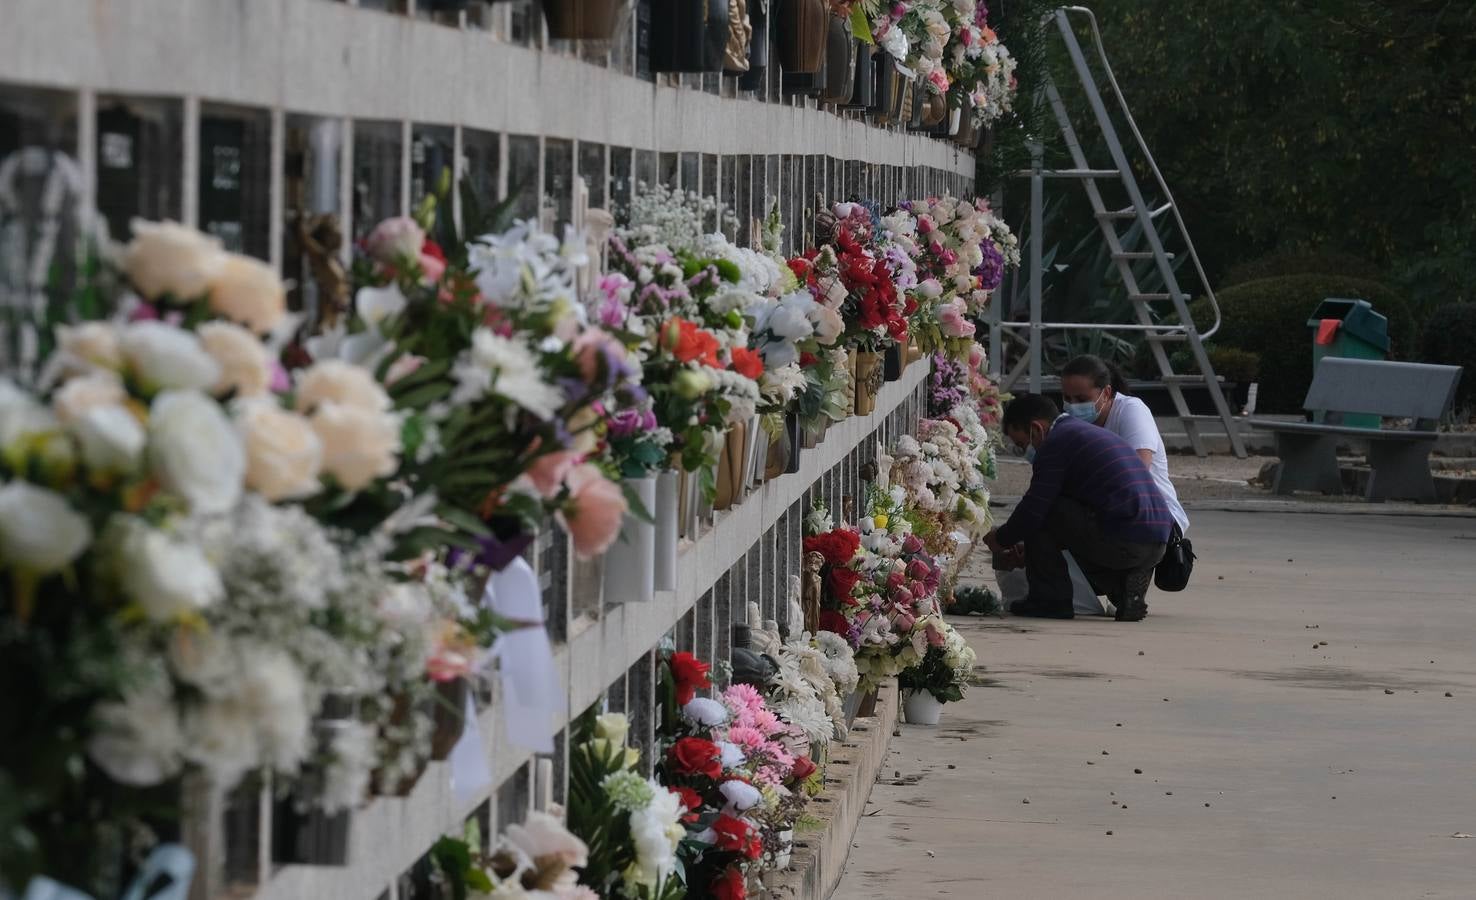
(656, 830)
(705, 711)
(507, 368)
(808, 715)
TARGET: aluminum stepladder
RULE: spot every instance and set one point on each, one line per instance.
(1156, 334)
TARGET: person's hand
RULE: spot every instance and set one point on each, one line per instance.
(1009, 558)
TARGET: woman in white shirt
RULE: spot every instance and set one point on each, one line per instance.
(1095, 391)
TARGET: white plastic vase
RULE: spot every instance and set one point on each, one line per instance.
(667, 530)
(921, 708)
(630, 563)
(786, 840)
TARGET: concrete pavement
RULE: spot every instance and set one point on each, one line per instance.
(1280, 730)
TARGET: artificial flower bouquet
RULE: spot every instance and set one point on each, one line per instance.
(946, 665)
(739, 768)
(501, 382)
(632, 825)
(980, 67)
(173, 604)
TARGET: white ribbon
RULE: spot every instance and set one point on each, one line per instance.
(532, 695)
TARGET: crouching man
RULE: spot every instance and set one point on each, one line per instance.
(1090, 494)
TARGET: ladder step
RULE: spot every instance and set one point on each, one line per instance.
(1166, 337)
(1187, 379)
(1070, 173)
(1130, 212)
(1193, 418)
(1139, 254)
(1148, 298)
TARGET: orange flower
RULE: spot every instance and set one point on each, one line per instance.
(748, 363)
(687, 342)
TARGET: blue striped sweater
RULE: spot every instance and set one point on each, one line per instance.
(1099, 470)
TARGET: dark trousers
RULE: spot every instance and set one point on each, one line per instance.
(1105, 559)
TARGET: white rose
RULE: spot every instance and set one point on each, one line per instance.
(359, 445)
(168, 259)
(165, 576)
(283, 454)
(164, 357)
(92, 342)
(613, 727)
(111, 438)
(39, 530)
(81, 395)
(22, 420)
(247, 291)
(195, 451)
(245, 366)
(342, 383)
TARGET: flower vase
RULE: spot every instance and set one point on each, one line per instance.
(867, 707)
(868, 380)
(730, 467)
(667, 513)
(449, 717)
(385, 783)
(782, 857)
(967, 135)
(921, 708)
(893, 362)
(630, 566)
(758, 47)
(309, 836)
(914, 353)
(584, 20)
(690, 503)
(803, 30)
(863, 85)
(586, 585)
(849, 367)
(754, 443)
(840, 63)
(811, 432)
(688, 35)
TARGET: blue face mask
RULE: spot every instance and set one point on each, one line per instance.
(1086, 411)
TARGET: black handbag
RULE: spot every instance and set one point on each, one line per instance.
(1173, 571)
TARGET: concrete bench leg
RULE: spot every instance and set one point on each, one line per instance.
(1400, 471)
(1309, 462)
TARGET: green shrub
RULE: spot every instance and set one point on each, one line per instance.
(1269, 317)
(1450, 339)
(1230, 363)
(1317, 262)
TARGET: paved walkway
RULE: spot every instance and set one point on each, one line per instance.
(1300, 724)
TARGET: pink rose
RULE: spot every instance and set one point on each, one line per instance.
(951, 320)
(903, 621)
(935, 636)
(431, 268)
(395, 240)
(548, 472)
(594, 512)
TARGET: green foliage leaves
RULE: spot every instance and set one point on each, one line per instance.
(1450, 339)
(1317, 123)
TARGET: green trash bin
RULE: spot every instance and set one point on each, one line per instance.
(1349, 329)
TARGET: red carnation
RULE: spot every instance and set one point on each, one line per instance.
(695, 756)
(804, 767)
(730, 886)
(691, 800)
(838, 547)
(748, 363)
(689, 675)
(807, 359)
(843, 581)
(732, 833)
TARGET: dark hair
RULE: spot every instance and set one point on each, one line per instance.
(1100, 371)
(1027, 408)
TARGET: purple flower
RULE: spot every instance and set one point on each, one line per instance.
(991, 270)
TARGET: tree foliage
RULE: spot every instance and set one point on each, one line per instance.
(1310, 124)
